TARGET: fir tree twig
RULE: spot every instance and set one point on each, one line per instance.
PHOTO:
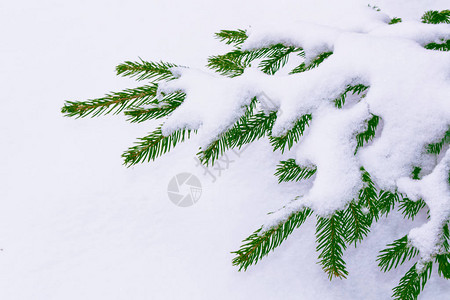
(232, 37)
(289, 171)
(259, 244)
(292, 136)
(386, 201)
(330, 236)
(356, 223)
(367, 135)
(368, 197)
(437, 147)
(154, 145)
(396, 254)
(277, 59)
(412, 283)
(436, 17)
(162, 109)
(141, 70)
(247, 129)
(410, 208)
(314, 63)
(357, 89)
(111, 103)
(443, 46)
(395, 20)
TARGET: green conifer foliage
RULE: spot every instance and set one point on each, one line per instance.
(334, 233)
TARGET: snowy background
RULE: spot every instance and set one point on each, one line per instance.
(76, 224)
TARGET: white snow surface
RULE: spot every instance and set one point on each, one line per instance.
(330, 184)
(76, 224)
(435, 191)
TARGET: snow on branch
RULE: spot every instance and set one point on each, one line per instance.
(365, 112)
(409, 91)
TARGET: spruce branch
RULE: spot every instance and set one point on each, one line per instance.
(292, 136)
(436, 17)
(232, 37)
(277, 59)
(443, 259)
(330, 237)
(114, 102)
(260, 243)
(234, 62)
(410, 208)
(314, 63)
(395, 20)
(289, 171)
(357, 224)
(437, 147)
(154, 145)
(386, 201)
(412, 283)
(161, 109)
(247, 129)
(443, 46)
(369, 134)
(416, 173)
(368, 197)
(396, 254)
(141, 70)
(230, 64)
(358, 89)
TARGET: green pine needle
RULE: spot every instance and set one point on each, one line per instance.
(248, 128)
(416, 173)
(289, 171)
(443, 259)
(141, 70)
(396, 254)
(437, 147)
(410, 208)
(330, 237)
(412, 283)
(366, 136)
(314, 63)
(436, 17)
(356, 223)
(277, 59)
(111, 103)
(292, 136)
(358, 89)
(234, 62)
(153, 145)
(368, 197)
(395, 21)
(162, 109)
(443, 46)
(259, 244)
(232, 37)
(387, 201)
